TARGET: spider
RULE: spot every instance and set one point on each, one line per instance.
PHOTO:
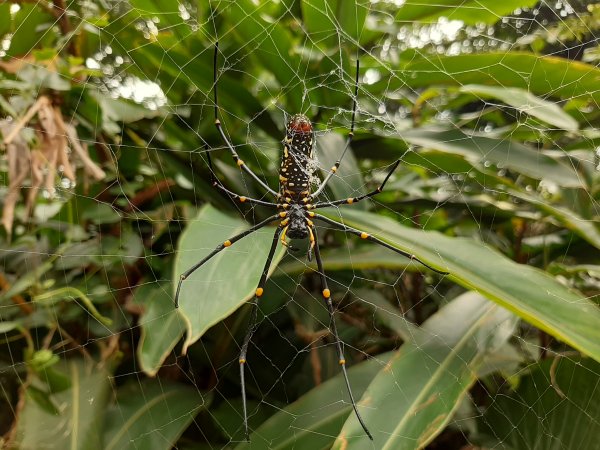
(294, 204)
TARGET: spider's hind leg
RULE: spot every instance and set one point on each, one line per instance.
(327, 297)
(252, 325)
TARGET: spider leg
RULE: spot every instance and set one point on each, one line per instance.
(252, 325)
(236, 158)
(217, 183)
(363, 235)
(350, 200)
(219, 248)
(336, 166)
(327, 297)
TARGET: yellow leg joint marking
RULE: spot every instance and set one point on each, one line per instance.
(351, 133)
(242, 199)
(227, 243)
(242, 361)
(326, 293)
(310, 222)
(217, 122)
(282, 214)
(240, 162)
(364, 235)
(284, 222)
(283, 233)
(342, 362)
(259, 292)
(311, 214)
(350, 200)
(305, 200)
(334, 169)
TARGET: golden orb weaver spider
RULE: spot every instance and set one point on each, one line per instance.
(296, 218)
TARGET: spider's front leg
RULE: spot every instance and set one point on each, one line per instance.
(367, 236)
(236, 157)
(228, 243)
(242, 199)
(351, 200)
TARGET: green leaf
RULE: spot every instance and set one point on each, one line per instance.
(151, 415)
(319, 18)
(347, 181)
(412, 399)
(586, 228)
(5, 19)
(28, 29)
(361, 258)
(121, 110)
(509, 154)
(556, 406)
(271, 44)
(330, 23)
(527, 291)
(6, 326)
(77, 423)
(544, 76)
(314, 419)
(161, 326)
(229, 279)
(526, 102)
(471, 12)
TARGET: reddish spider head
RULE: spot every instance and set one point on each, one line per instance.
(299, 133)
(299, 124)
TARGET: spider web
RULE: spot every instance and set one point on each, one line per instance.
(442, 365)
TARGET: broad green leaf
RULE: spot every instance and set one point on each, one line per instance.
(320, 21)
(556, 406)
(6, 326)
(271, 44)
(357, 258)
(151, 415)
(504, 152)
(413, 398)
(28, 29)
(330, 23)
(389, 315)
(351, 15)
(315, 419)
(77, 423)
(120, 110)
(27, 280)
(347, 181)
(229, 279)
(526, 102)
(544, 76)
(525, 290)
(161, 326)
(471, 12)
(5, 19)
(585, 228)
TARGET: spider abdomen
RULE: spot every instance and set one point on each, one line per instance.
(295, 171)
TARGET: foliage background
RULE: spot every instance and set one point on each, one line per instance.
(496, 126)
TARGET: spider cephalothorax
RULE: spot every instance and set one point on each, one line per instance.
(295, 205)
